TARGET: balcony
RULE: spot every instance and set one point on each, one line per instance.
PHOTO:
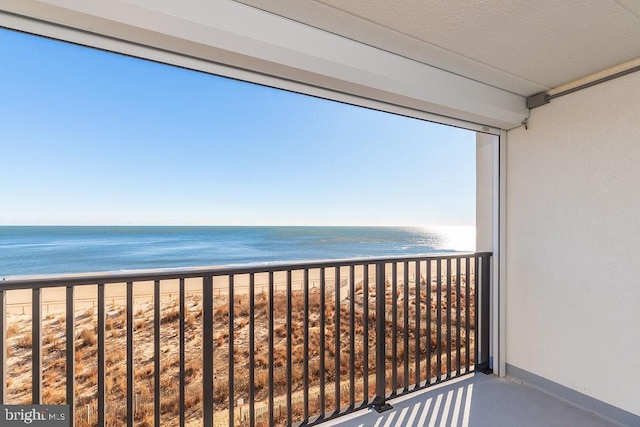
(558, 209)
(267, 367)
(275, 344)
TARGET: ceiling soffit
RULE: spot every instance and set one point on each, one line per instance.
(517, 45)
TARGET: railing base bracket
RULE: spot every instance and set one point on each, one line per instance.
(380, 405)
(382, 408)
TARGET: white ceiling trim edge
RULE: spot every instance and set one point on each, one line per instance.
(228, 35)
(112, 45)
(327, 18)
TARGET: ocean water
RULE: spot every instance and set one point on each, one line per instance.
(39, 250)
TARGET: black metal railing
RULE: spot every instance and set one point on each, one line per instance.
(273, 344)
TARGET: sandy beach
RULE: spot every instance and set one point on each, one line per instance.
(54, 299)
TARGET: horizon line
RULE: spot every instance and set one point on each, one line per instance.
(240, 225)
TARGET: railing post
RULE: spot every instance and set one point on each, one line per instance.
(182, 345)
(379, 402)
(71, 353)
(156, 353)
(207, 351)
(131, 397)
(36, 347)
(485, 298)
(101, 344)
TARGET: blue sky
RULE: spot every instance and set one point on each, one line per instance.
(90, 137)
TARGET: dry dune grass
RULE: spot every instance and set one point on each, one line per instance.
(54, 348)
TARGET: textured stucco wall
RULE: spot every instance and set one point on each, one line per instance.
(573, 243)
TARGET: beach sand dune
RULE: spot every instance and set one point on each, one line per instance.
(54, 299)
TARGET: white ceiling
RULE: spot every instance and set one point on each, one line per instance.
(469, 60)
(521, 46)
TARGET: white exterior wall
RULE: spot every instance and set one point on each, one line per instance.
(573, 243)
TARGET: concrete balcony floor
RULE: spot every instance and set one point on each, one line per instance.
(476, 400)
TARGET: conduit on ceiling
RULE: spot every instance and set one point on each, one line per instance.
(542, 98)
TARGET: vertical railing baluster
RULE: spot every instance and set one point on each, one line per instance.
(252, 349)
(406, 326)
(231, 366)
(458, 288)
(379, 402)
(365, 337)
(101, 356)
(36, 347)
(417, 302)
(428, 321)
(130, 385)
(3, 347)
(336, 366)
(305, 369)
(467, 315)
(394, 328)
(352, 338)
(71, 353)
(271, 344)
(182, 337)
(322, 340)
(438, 320)
(449, 367)
(207, 351)
(289, 361)
(156, 353)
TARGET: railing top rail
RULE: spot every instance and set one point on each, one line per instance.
(49, 281)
